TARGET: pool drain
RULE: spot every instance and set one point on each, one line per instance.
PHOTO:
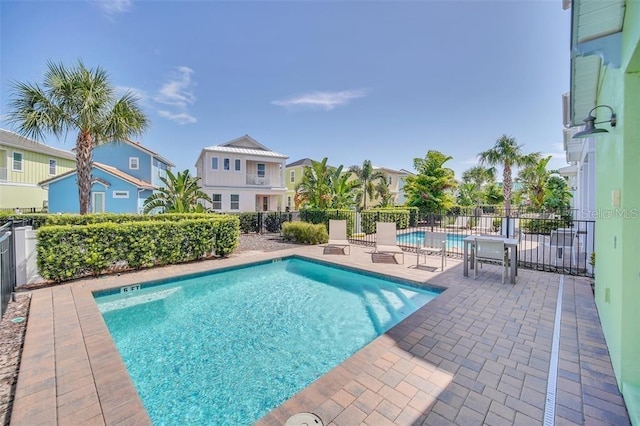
(304, 419)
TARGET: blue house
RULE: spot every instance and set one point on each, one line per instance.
(124, 175)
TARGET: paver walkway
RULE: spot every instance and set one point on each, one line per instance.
(477, 354)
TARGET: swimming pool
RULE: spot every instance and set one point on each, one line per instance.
(229, 346)
(416, 238)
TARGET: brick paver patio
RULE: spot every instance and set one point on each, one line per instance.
(477, 354)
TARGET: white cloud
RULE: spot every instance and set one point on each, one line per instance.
(323, 100)
(180, 118)
(177, 95)
(114, 7)
(177, 91)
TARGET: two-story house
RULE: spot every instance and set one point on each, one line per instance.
(242, 175)
(293, 176)
(24, 163)
(124, 173)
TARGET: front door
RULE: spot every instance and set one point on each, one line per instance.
(265, 204)
(97, 202)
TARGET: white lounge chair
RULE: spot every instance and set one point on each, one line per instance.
(386, 239)
(338, 236)
(460, 223)
(485, 250)
(434, 242)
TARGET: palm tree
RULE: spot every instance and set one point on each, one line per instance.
(383, 192)
(366, 175)
(534, 179)
(76, 99)
(343, 190)
(180, 194)
(478, 176)
(507, 153)
(314, 189)
(430, 189)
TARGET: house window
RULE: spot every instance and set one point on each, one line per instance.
(217, 201)
(120, 194)
(17, 162)
(237, 164)
(389, 179)
(292, 176)
(134, 163)
(53, 166)
(226, 164)
(289, 201)
(262, 168)
(235, 202)
(214, 163)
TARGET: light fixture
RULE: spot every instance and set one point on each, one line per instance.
(590, 124)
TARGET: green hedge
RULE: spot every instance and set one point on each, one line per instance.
(305, 233)
(541, 226)
(49, 219)
(414, 213)
(248, 222)
(323, 216)
(370, 217)
(71, 251)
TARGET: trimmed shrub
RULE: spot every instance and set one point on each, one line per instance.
(541, 226)
(71, 251)
(323, 216)
(305, 233)
(248, 222)
(370, 217)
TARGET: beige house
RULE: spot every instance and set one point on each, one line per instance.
(242, 175)
(24, 163)
(395, 179)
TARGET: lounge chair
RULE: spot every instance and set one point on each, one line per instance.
(460, 223)
(490, 250)
(338, 236)
(386, 239)
(434, 242)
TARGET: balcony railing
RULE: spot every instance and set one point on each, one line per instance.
(254, 179)
(3, 173)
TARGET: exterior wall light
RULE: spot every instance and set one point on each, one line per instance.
(590, 124)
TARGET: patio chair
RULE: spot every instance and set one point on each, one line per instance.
(386, 239)
(338, 236)
(561, 239)
(485, 250)
(434, 242)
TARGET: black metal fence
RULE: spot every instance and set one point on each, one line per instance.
(547, 241)
(7, 265)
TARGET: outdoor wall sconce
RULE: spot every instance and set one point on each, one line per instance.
(590, 124)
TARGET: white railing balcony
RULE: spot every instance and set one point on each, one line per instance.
(3, 173)
(254, 179)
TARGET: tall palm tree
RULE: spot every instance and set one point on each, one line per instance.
(507, 153)
(76, 99)
(366, 176)
(180, 194)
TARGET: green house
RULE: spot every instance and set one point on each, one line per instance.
(24, 163)
(293, 176)
(605, 80)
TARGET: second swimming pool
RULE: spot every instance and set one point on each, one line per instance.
(227, 347)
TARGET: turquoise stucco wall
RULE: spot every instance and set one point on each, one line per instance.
(618, 226)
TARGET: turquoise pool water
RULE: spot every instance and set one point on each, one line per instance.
(416, 238)
(227, 347)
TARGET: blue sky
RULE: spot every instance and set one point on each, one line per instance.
(385, 81)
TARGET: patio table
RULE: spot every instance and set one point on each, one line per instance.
(510, 243)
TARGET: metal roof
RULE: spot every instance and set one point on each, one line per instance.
(247, 151)
(17, 141)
